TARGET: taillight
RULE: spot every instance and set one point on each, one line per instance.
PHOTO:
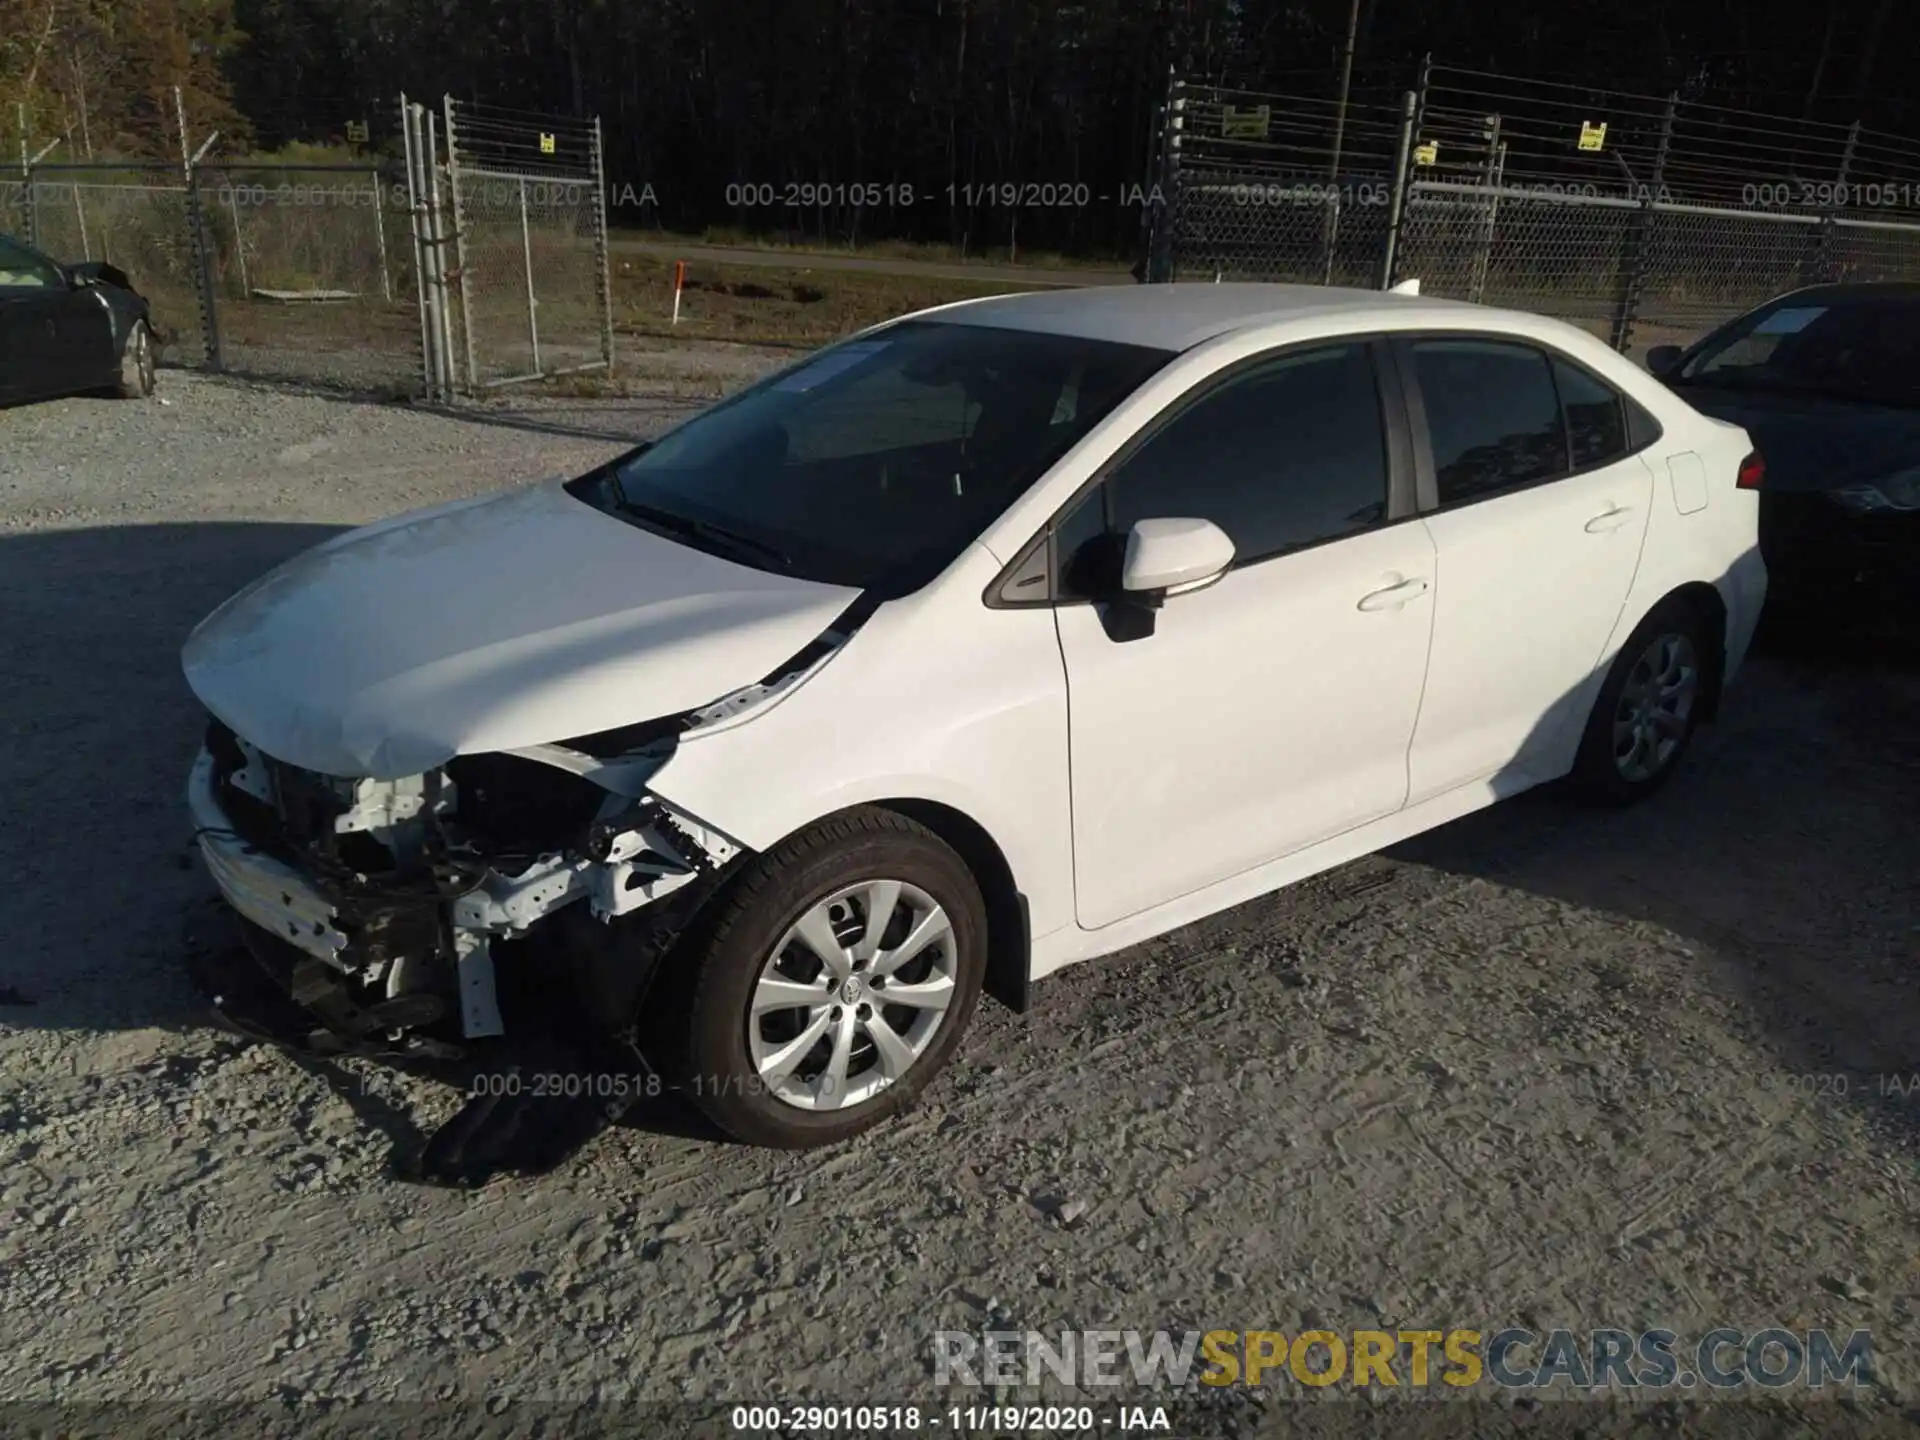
(1753, 471)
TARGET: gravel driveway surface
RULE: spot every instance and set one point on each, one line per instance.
(1542, 1067)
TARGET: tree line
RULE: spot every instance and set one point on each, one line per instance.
(933, 108)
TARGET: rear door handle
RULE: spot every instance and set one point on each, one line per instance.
(1394, 596)
(1610, 519)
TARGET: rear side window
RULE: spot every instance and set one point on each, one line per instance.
(1596, 419)
(1493, 417)
(1642, 428)
(1289, 453)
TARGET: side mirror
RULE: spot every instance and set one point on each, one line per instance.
(1662, 359)
(1172, 556)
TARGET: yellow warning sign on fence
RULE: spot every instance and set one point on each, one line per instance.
(1592, 136)
(1427, 152)
(546, 143)
(1245, 122)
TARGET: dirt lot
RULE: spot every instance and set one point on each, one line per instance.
(1544, 1067)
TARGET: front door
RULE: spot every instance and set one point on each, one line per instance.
(49, 332)
(1274, 708)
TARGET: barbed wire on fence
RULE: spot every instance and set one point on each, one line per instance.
(1619, 212)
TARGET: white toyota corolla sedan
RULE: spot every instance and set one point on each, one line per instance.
(991, 639)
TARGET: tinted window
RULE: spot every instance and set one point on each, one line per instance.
(21, 269)
(1288, 454)
(1642, 428)
(1853, 346)
(1596, 422)
(1492, 416)
(875, 461)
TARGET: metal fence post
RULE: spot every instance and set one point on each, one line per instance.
(1493, 168)
(1822, 266)
(602, 244)
(1163, 253)
(459, 277)
(380, 234)
(30, 205)
(1636, 261)
(410, 140)
(1397, 202)
(526, 256)
(203, 269)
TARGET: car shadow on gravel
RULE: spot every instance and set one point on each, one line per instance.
(1785, 851)
(101, 730)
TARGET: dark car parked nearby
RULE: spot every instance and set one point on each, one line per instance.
(70, 329)
(1827, 382)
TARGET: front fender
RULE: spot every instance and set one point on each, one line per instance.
(978, 724)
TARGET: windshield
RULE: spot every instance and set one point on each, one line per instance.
(1857, 348)
(876, 461)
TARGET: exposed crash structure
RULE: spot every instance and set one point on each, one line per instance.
(385, 916)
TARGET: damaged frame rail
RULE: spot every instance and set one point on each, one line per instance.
(638, 850)
(355, 892)
(371, 910)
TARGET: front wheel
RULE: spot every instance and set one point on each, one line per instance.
(1646, 712)
(137, 363)
(834, 981)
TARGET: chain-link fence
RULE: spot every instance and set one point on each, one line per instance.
(1642, 219)
(311, 272)
(1260, 187)
(528, 201)
(137, 217)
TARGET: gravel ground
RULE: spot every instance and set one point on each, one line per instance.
(1542, 1067)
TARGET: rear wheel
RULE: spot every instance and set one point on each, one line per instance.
(834, 981)
(1648, 708)
(137, 363)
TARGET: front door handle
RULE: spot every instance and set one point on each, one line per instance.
(1394, 596)
(1609, 519)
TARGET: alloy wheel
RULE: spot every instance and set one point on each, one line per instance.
(1656, 706)
(852, 995)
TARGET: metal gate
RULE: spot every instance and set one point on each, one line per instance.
(528, 276)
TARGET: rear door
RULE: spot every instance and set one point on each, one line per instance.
(1537, 510)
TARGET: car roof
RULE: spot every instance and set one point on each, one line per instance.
(1180, 316)
(1858, 290)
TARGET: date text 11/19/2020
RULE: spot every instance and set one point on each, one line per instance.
(903, 195)
(954, 1419)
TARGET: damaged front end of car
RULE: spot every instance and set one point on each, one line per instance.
(508, 911)
(396, 914)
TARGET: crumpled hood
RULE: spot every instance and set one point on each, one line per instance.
(517, 619)
(1812, 443)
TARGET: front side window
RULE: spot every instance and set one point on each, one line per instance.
(1493, 417)
(1286, 454)
(22, 269)
(877, 460)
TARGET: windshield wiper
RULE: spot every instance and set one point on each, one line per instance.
(710, 531)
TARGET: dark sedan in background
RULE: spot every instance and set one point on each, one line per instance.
(70, 329)
(1827, 382)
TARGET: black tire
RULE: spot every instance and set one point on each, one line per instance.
(1600, 773)
(137, 376)
(701, 1031)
